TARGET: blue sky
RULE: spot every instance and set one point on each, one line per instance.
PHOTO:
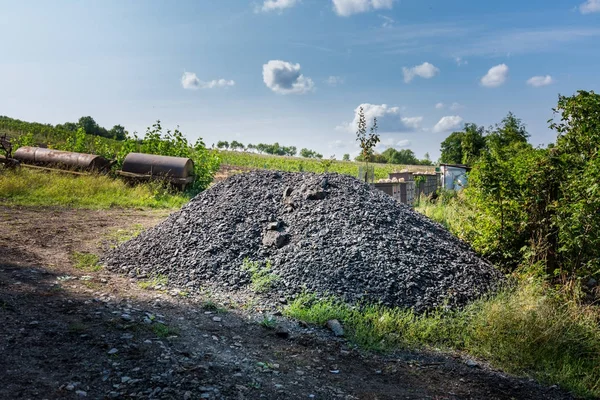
(294, 71)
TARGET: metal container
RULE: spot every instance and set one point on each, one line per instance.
(68, 159)
(154, 165)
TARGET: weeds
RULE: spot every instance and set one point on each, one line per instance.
(164, 331)
(86, 261)
(268, 322)
(260, 275)
(210, 305)
(119, 236)
(156, 282)
(530, 330)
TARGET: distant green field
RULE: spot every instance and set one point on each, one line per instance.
(297, 164)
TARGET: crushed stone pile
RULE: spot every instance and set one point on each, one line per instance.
(325, 233)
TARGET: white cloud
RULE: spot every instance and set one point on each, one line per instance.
(496, 76)
(403, 143)
(456, 106)
(189, 80)
(460, 62)
(389, 119)
(277, 5)
(412, 122)
(590, 6)
(439, 106)
(538, 81)
(345, 8)
(334, 80)
(285, 78)
(387, 21)
(448, 123)
(425, 70)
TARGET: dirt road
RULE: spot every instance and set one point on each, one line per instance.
(82, 333)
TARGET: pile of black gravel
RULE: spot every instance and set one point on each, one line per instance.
(329, 234)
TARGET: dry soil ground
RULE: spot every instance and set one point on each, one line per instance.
(71, 333)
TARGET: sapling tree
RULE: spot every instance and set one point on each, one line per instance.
(367, 141)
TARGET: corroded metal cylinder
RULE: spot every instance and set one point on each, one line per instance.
(151, 164)
(49, 158)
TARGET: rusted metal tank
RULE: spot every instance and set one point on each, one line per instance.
(177, 170)
(48, 158)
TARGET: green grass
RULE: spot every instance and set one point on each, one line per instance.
(155, 281)
(298, 164)
(86, 261)
(260, 275)
(35, 188)
(121, 235)
(452, 211)
(530, 330)
(164, 331)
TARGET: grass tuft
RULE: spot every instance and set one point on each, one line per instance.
(37, 188)
(164, 331)
(86, 261)
(119, 236)
(154, 282)
(532, 330)
(260, 275)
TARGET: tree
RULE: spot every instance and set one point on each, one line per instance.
(346, 157)
(222, 144)
(473, 142)
(367, 142)
(403, 156)
(509, 132)
(118, 132)
(576, 209)
(235, 145)
(463, 147)
(290, 151)
(310, 153)
(451, 149)
(88, 124)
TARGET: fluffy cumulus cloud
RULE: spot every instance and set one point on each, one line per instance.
(425, 71)
(590, 6)
(389, 119)
(448, 123)
(440, 106)
(496, 76)
(189, 80)
(403, 143)
(276, 5)
(285, 78)
(412, 122)
(334, 80)
(538, 81)
(345, 8)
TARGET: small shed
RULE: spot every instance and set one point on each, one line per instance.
(454, 176)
